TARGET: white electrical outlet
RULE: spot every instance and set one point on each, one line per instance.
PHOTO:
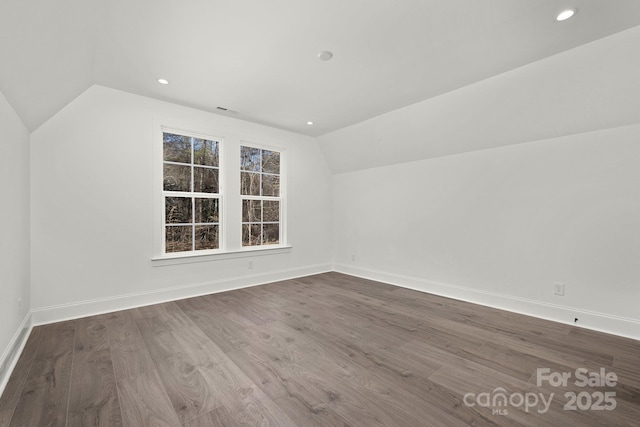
(558, 289)
(250, 264)
(353, 257)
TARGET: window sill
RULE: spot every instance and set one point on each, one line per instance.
(160, 261)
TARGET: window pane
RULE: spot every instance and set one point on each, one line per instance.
(207, 210)
(177, 210)
(250, 159)
(270, 162)
(178, 238)
(205, 152)
(251, 234)
(177, 178)
(271, 185)
(249, 184)
(251, 211)
(205, 180)
(271, 234)
(206, 237)
(177, 148)
(271, 211)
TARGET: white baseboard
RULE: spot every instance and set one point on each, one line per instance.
(75, 310)
(11, 354)
(601, 322)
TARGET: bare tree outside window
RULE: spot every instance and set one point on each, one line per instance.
(261, 196)
(191, 190)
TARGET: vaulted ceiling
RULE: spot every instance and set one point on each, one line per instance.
(259, 58)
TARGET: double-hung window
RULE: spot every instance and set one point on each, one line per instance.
(191, 193)
(215, 198)
(261, 196)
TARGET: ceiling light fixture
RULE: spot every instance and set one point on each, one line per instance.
(566, 14)
(325, 55)
(310, 123)
(163, 81)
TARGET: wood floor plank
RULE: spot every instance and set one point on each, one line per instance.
(513, 362)
(215, 303)
(187, 389)
(242, 397)
(224, 332)
(197, 346)
(45, 395)
(13, 389)
(240, 303)
(627, 374)
(144, 402)
(160, 342)
(281, 344)
(93, 400)
(91, 339)
(168, 315)
(129, 353)
(5, 417)
(174, 333)
(289, 392)
(341, 325)
(264, 295)
(217, 418)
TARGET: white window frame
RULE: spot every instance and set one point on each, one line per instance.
(230, 214)
(281, 198)
(192, 194)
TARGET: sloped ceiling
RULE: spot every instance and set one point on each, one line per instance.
(259, 58)
(592, 87)
(47, 51)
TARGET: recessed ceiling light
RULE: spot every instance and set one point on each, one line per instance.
(163, 81)
(566, 14)
(310, 123)
(325, 55)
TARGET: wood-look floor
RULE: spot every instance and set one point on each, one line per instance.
(326, 350)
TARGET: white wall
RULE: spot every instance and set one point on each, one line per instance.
(500, 226)
(14, 232)
(91, 216)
